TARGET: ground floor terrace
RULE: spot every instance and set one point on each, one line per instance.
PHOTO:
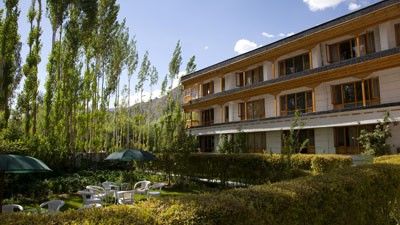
(328, 132)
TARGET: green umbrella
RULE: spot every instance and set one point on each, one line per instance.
(18, 164)
(131, 155)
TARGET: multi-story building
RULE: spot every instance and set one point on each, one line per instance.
(343, 76)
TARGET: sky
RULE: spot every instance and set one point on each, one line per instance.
(212, 30)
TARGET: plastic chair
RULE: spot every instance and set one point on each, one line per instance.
(99, 192)
(11, 208)
(108, 185)
(155, 186)
(142, 187)
(53, 206)
(89, 198)
(125, 197)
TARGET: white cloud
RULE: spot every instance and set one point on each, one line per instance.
(315, 5)
(206, 47)
(353, 6)
(281, 35)
(267, 35)
(289, 34)
(244, 45)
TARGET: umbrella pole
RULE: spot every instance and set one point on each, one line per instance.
(2, 184)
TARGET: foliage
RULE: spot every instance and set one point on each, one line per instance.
(350, 196)
(374, 142)
(251, 168)
(391, 159)
(291, 142)
(226, 144)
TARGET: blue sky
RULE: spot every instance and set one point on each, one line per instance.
(212, 30)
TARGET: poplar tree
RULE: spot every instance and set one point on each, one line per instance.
(9, 58)
(191, 65)
(30, 69)
(133, 59)
(175, 63)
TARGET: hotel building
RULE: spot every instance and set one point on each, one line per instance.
(342, 75)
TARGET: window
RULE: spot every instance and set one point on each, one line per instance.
(223, 84)
(239, 79)
(226, 114)
(249, 77)
(397, 34)
(303, 135)
(206, 143)
(254, 76)
(346, 138)
(301, 101)
(207, 117)
(294, 64)
(241, 111)
(350, 95)
(256, 142)
(367, 43)
(208, 88)
(341, 51)
(256, 109)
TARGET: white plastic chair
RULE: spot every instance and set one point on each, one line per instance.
(53, 206)
(89, 198)
(11, 208)
(155, 186)
(108, 186)
(125, 197)
(142, 187)
(99, 192)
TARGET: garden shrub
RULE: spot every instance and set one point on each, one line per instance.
(392, 159)
(351, 196)
(329, 163)
(252, 168)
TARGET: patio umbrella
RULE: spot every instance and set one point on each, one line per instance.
(18, 164)
(131, 155)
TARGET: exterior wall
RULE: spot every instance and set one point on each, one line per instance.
(389, 82)
(230, 81)
(267, 70)
(324, 141)
(394, 141)
(316, 56)
(218, 114)
(270, 106)
(274, 142)
(387, 35)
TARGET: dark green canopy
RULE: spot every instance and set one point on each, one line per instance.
(18, 164)
(130, 155)
(21, 164)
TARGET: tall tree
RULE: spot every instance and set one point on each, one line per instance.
(153, 76)
(30, 69)
(191, 65)
(9, 58)
(133, 59)
(175, 63)
(143, 75)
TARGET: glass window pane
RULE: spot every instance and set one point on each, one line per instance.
(291, 102)
(359, 91)
(289, 66)
(283, 103)
(340, 134)
(337, 94)
(301, 102)
(348, 93)
(298, 63)
(309, 99)
(375, 90)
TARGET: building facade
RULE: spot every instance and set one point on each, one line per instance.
(342, 76)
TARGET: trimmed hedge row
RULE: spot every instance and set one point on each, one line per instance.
(392, 159)
(251, 168)
(351, 196)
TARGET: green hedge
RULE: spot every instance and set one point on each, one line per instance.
(351, 196)
(250, 168)
(392, 159)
